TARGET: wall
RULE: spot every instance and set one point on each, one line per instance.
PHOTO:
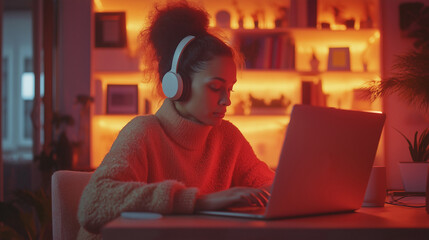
(74, 65)
(400, 115)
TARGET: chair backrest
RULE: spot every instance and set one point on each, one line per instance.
(67, 188)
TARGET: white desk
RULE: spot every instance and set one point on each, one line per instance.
(390, 222)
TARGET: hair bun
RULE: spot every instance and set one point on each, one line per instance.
(171, 24)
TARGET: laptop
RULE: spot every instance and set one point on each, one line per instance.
(324, 165)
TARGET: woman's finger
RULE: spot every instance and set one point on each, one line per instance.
(264, 196)
(257, 200)
(245, 199)
(265, 193)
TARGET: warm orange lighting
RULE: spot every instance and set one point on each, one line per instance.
(336, 14)
(377, 34)
(261, 84)
(308, 41)
(113, 124)
(338, 27)
(248, 23)
(105, 129)
(133, 31)
(98, 5)
(264, 132)
(374, 37)
(372, 111)
(258, 81)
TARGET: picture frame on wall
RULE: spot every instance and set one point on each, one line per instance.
(122, 99)
(339, 59)
(110, 30)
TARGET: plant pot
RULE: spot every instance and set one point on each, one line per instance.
(414, 176)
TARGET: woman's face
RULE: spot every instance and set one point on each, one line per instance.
(210, 92)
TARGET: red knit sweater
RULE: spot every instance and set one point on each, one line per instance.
(160, 162)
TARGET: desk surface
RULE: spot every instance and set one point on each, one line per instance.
(390, 222)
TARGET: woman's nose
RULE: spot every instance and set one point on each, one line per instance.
(225, 99)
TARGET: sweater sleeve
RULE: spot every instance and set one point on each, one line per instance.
(119, 185)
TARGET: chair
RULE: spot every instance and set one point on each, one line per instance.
(67, 187)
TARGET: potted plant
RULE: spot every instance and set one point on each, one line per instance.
(27, 216)
(410, 80)
(415, 173)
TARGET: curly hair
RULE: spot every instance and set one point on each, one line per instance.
(168, 26)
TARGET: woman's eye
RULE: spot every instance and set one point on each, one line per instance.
(214, 87)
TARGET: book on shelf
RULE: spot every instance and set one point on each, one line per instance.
(272, 51)
(311, 13)
(312, 93)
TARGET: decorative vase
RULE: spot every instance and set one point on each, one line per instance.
(256, 23)
(314, 63)
(240, 23)
(414, 176)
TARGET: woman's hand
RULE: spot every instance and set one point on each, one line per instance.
(236, 196)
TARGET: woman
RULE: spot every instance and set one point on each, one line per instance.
(184, 158)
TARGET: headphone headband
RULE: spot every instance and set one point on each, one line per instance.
(172, 83)
(179, 50)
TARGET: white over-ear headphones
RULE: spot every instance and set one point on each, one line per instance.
(172, 83)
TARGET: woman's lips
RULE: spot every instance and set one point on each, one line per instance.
(219, 114)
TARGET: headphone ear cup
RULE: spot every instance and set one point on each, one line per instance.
(172, 85)
(186, 93)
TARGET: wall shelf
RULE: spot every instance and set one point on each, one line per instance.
(333, 37)
(286, 54)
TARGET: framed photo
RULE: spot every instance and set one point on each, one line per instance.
(110, 30)
(122, 99)
(339, 59)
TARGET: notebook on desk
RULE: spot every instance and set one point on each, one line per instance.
(324, 165)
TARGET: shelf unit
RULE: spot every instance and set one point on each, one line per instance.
(341, 89)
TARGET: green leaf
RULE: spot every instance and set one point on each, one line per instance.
(420, 147)
(37, 200)
(412, 153)
(416, 147)
(29, 214)
(410, 146)
(28, 221)
(423, 145)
